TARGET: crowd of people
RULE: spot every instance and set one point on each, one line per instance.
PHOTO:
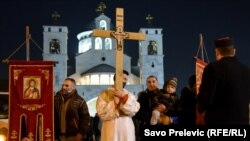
(223, 98)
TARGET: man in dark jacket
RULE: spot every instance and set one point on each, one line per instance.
(225, 87)
(188, 103)
(71, 113)
(146, 99)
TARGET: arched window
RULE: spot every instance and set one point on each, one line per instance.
(103, 25)
(54, 45)
(94, 79)
(152, 48)
(98, 43)
(84, 45)
(108, 44)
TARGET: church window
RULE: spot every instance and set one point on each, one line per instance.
(111, 79)
(152, 48)
(94, 79)
(98, 43)
(85, 80)
(57, 78)
(103, 25)
(104, 79)
(103, 59)
(84, 45)
(98, 79)
(54, 46)
(108, 44)
(156, 31)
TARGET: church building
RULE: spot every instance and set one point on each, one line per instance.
(95, 60)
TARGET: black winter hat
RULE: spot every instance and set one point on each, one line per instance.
(172, 81)
(223, 41)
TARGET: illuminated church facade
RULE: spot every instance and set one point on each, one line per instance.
(95, 60)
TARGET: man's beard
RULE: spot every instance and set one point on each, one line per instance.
(67, 92)
(124, 84)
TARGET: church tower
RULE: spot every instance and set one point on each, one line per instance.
(151, 54)
(55, 49)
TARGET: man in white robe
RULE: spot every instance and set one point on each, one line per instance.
(116, 108)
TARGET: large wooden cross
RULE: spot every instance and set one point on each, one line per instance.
(119, 35)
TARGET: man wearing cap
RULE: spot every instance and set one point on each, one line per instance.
(225, 88)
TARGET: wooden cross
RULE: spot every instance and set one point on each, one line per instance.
(119, 35)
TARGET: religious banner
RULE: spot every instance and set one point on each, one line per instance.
(31, 100)
(199, 67)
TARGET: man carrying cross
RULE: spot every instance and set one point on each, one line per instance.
(115, 105)
(115, 108)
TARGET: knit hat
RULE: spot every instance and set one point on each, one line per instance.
(172, 81)
(223, 41)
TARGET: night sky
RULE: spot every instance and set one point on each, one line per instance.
(181, 20)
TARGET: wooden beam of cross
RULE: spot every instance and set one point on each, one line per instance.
(119, 35)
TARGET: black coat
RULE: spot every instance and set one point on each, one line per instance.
(77, 115)
(225, 92)
(188, 107)
(146, 99)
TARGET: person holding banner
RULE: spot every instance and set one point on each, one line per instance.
(225, 87)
